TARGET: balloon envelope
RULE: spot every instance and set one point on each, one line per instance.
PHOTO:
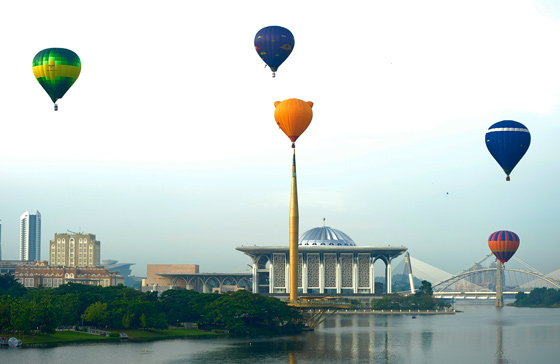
(503, 244)
(508, 141)
(56, 69)
(293, 116)
(274, 44)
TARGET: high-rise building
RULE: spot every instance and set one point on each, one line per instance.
(30, 236)
(74, 250)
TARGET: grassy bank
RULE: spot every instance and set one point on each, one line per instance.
(61, 337)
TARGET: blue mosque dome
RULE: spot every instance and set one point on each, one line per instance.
(325, 235)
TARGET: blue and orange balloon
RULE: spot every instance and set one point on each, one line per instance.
(508, 141)
(503, 244)
(274, 44)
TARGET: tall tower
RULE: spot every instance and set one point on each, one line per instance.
(294, 234)
(30, 236)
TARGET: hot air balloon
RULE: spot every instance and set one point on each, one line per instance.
(508, 141)
(503, 244)
(293, 116)
(274, 44)
(56, 69)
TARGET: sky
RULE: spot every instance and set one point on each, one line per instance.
(167, 149)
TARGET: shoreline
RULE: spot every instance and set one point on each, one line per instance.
(396, 312)
(64, 337)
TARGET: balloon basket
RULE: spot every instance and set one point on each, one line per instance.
(55, 107)
(507, 178)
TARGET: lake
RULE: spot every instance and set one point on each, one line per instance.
(481, 333)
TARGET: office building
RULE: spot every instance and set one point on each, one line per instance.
(30, 236)
(74, 250)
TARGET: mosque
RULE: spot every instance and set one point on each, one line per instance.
(330, 263)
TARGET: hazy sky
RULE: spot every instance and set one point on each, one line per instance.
(166, 146)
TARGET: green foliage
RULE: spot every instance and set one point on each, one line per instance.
(538, 297)
(422, 300)
(245, 313)
(143, 321)
(124, 308)
(425, 289)
(126, 321)
(43, 316)
(10, 286)
(96, 313)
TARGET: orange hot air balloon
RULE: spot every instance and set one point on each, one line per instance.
(503, 244)
(293, 116)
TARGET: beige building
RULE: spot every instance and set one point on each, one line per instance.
(156, 282)
(42, 274)
(74, 250)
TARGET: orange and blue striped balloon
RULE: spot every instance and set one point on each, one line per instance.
(503, 244)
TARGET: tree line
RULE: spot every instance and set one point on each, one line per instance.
(538, 297)
(119, 307)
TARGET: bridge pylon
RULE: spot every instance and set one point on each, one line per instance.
(499, 285)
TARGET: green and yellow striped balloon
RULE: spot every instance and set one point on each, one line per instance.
(56, 69)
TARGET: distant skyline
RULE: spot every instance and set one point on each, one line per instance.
(167, 149)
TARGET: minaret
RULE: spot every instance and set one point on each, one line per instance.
(294, 233)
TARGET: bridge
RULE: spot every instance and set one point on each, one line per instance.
(479, 283)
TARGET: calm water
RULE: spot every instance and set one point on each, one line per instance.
(480, 334)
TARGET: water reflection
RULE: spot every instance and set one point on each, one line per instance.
(510, 335)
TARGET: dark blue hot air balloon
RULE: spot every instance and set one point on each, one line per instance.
(507, 141)
(274, 44)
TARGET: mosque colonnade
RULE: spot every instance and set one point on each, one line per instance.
(322, 269)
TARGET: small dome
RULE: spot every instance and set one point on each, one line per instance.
(325, 236)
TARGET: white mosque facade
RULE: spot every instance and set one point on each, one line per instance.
(330, 263)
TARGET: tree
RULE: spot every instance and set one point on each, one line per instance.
(242, 312)
(43, 315)
(10, 286)
(126, 321)
(67, 309)
(21, 316)
(96, 313)
(425, 289)
(5, 313)
(143, 321)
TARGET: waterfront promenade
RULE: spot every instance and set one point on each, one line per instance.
(396, 312)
